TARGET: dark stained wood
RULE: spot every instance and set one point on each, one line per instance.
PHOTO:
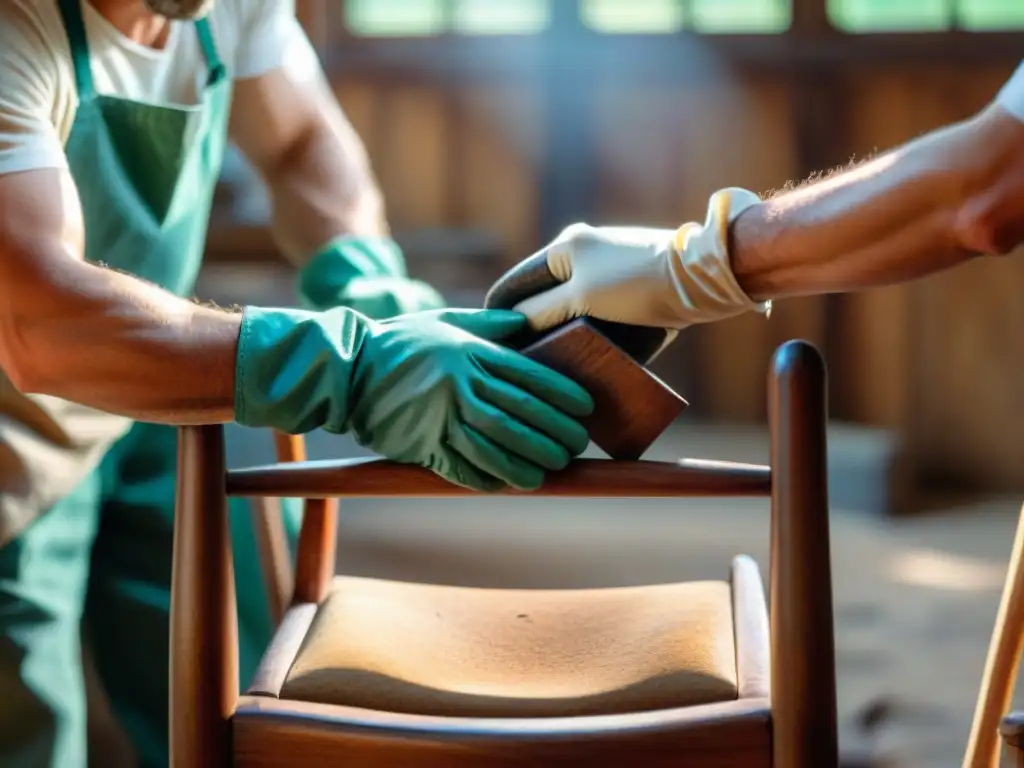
(750, 615)
(315, 564)
(272, 733)
(664, 58)
(803, 690)
(264, 731)
(632, 407)
(278, 658)
(204, 631)
(583, 477)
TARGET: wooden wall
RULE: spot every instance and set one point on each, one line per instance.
(942, 360)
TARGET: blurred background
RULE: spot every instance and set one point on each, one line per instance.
(493, 124)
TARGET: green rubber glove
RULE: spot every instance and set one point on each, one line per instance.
(430, 388)
(367, 275)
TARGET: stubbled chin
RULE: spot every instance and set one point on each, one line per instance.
(180, 9)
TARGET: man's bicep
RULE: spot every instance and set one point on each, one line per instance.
(281, 90)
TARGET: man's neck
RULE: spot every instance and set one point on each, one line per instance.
(136, 22)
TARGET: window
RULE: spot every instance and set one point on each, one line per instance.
(412, 18)
(390, 18)
(481, 17)
(666, 16)
(926, 15)
(632, 15)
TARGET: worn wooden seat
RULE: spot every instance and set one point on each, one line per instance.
(457, 652)
(371, 672)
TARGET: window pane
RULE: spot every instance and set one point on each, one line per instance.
(739, 16)
(890, 15)
(501, 17)
(636, 16)
(395, 17)
(991, 14)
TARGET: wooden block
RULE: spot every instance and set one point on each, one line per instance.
(632, 406)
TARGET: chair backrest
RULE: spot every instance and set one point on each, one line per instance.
(204, 666)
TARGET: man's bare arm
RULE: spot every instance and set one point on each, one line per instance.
(929, 205)
(94, 336)
(293, 131)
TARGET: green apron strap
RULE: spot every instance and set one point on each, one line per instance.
(216, 67)
(71, 12)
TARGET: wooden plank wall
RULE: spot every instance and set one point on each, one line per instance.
(938, 360)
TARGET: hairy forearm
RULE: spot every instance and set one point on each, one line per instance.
(323, 188)
(113, 342)
(919, 209)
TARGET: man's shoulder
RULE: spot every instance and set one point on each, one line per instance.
(33, 40)
(243, 14)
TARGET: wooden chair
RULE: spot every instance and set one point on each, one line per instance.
(1000, 674)
(374, 673)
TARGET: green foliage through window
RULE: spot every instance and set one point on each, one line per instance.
(405, 18)
(412, 18)
(707, 16)
(926, 15)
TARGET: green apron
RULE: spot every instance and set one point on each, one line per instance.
(87, 499)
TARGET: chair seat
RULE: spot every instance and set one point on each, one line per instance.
(465, 652)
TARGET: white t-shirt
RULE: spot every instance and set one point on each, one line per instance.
(1011, 96)
(38, 98)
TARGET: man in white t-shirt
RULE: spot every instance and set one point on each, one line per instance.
(928, 205)
(114, 115)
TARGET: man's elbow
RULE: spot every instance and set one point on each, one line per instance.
(991, 223)
(18, 360)
(989, 219)
(29, 301)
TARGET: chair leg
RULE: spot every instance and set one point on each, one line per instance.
(803, 671)
(204, 629)
(1002, 664)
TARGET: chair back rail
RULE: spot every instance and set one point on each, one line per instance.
(583, 478)
(204, 635)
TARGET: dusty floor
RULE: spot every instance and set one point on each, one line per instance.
(915, 599)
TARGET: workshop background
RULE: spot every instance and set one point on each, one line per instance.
(493, 124)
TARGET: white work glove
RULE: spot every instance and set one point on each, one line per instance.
(654, 277)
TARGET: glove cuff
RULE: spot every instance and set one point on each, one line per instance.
(701, 270)
(324, 277)
(293, 368)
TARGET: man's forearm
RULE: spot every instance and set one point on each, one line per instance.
(116, 343)
(919, 209)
